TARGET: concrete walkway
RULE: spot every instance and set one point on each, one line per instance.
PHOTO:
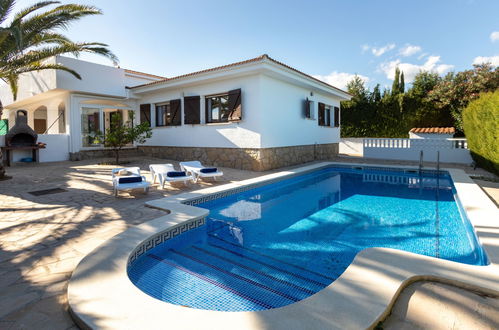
(42, 238)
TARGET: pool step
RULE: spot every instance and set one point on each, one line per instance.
(188, 287)
(265, 259)
(245, 286)
(236, 265)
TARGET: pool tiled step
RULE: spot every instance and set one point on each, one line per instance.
(187, 287)
(267, 260)
(248, 287)
(288, 288)
(267, 267)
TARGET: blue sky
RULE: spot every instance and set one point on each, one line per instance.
(330, 39)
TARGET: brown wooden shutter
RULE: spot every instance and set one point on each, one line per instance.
(192, 110)
(145, 114)
(336, 117)
(235, 105)
(322, 114)
(307, 108)
(176, 113)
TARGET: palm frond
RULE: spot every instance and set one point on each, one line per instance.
(12, 80)
(6, 7)
(25, 12)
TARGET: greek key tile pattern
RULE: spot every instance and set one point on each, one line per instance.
(163, 236)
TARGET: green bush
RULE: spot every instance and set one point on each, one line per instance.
(481, 127)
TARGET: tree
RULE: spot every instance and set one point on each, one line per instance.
(396, 82)
(32, 37)
(122, 134)
(357, 88)
(453, 93)
(402, 83)
(481, 124)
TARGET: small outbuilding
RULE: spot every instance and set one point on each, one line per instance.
(432, 132)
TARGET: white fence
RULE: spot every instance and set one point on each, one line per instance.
(451, 150)
(57, 148)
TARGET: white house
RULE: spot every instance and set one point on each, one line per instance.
(256, 114)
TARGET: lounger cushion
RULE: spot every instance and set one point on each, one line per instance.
(175, 174)
(209, 170)
(130, 179)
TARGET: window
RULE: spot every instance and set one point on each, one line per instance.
(224, 107)
(217, 109)
(324, 115)
(308, 109)
(145, 114)
(168, 114)
(90, 126)
(336, 117)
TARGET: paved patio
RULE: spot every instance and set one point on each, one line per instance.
(42, 238)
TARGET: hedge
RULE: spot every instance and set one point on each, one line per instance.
(481, 127)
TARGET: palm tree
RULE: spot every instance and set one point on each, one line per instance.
(33, 35)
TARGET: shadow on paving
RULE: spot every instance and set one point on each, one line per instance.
(42, 238)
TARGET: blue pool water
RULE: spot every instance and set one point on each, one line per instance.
(277, 244)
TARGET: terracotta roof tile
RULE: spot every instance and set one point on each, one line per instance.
(256, 59)
(433, 130)
(144, 74)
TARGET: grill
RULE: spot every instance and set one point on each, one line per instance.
(21, 135)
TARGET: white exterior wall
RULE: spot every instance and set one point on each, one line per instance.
(57, 148)
(243, 134)
(352, 146)
(282, 116)
(95, 78)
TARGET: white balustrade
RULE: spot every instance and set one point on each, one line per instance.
(451, 150)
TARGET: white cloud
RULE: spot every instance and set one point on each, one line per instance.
(339, 79)
(409, 50)
(422, 56)
(494, 60)
(377, 51)
(411, 70)
(494, 36)
(381, 50)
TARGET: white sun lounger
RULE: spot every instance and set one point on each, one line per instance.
(166, 173)
(198, 170)
(131, 181)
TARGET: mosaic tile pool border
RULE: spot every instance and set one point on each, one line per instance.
(164, 236)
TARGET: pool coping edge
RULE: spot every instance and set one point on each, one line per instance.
(91, 296)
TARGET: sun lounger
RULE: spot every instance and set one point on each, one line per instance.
(199, 171)
(166, 173)
(128, 178)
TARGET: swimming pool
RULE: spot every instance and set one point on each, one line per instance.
(280, 243)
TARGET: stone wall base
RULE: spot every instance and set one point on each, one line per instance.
(244, 158)
(104, 153)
